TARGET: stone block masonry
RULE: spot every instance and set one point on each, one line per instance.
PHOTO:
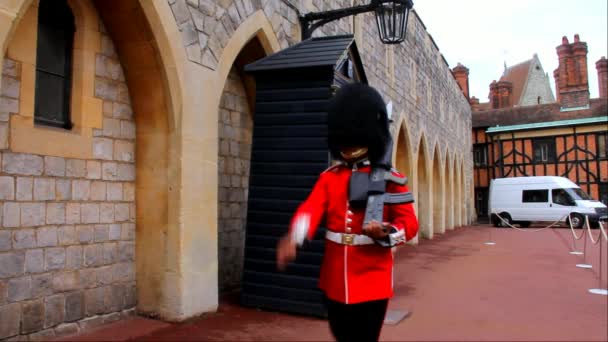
(67, 226)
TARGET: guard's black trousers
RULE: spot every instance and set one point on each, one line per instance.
(356, 322)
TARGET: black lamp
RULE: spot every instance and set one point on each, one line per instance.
(391, 18)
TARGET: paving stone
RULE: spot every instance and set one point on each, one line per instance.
(93, 255)
(94, 301)
(109, 171)
(102, 232)
(25, 188)
(126, 172)
(98, 191)
(43, 335)
(126, 251)
(114, 297)
(32, 214)
(93, 169)
(127, 129)
(54, 166)
(110, 253)
(42, 285)
(115, 191)
(81, 190)
(124, 151)
(106, 213)
(74, 306)
(32, 317)
(85, 234)
(115, 232)
(88, 278)
(63, 190)
(89, 213)
(11, 214)
(54, 310)
(24, 238)
(90, 323)
(34, 261)
(44, 189)
(75, 168)
(19, 289)
(122, 111)
(47, 236)
(66, 329)
(67, 235)
(121, 212)
(10, 318)
(7, 188)
(55, 213)
(6, 238)
(72, 213)
(111, 128)
(65, 281)
(127, 231)
(13, 264)
(54, 258)
(74, 257)
(22, 164)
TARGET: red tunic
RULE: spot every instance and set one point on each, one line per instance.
(357, 273)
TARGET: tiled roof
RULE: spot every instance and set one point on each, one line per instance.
(517, 74)
(538, 113)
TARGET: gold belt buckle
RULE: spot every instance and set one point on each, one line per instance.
(348, 239)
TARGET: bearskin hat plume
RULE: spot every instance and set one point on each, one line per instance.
(357, 117)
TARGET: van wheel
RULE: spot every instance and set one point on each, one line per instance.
(577, 220)
(495, 220)
(524, 224)
(506, 217)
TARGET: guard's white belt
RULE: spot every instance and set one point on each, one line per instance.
(349, 239)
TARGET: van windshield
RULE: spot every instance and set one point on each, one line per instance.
(578, 194)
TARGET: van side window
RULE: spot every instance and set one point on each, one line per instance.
(535, 196)
(560, 196)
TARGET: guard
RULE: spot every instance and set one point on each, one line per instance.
(367, 210)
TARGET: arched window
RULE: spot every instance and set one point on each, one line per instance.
(54, 64)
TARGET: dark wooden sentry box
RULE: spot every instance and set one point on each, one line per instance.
(289, 152)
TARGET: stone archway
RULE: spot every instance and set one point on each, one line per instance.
(235, 131)
(458, 182)
(402, 151)
(438, 193)
(424, 188)
(463, 196)
(449, 188)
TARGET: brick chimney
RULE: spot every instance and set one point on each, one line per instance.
(474, 103)
(602, 76)
(461, 74)
(501, 94)
(572, 85)
(556, 77)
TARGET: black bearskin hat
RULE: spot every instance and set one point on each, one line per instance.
(357, 117)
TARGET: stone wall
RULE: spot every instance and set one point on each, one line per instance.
(67, 226)
(537, 85)
(235, 132)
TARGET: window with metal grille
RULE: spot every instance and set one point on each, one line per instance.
(603, 193)
(480, 154)
(602, 145)
(54, 64)
(544, 150)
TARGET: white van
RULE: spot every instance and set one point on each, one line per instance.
(522, 200)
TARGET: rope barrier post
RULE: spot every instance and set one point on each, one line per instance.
(600, 290)
(490, 242)
(574, 250)
(585, 264)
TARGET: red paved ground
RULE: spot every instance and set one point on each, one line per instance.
(524, 288)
